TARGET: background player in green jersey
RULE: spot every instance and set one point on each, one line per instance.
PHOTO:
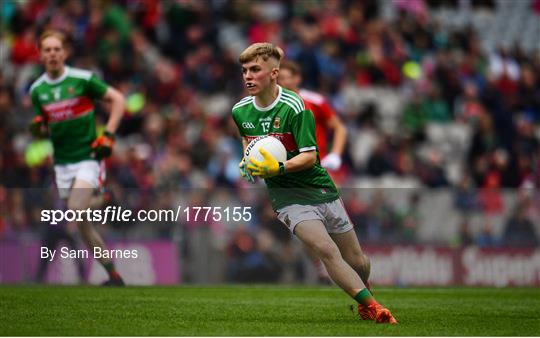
(63, 100)
(301, 192)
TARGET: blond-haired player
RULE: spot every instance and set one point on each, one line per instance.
(301, 192)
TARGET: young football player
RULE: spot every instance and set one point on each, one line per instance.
(63, 100)
(301, 192)
(326, 119)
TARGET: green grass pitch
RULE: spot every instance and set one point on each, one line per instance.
(263, 311)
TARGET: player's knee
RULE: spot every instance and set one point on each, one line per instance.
(327, 250)
(74, 204)
(97, 201)
(79, 198)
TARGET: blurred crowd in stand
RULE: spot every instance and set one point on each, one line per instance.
(425, 107)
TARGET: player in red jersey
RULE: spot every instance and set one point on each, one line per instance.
(326, 119)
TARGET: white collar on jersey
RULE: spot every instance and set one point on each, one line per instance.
(272, 105)
(58, 79)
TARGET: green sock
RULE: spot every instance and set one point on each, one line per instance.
(364, 297)
(109, 266)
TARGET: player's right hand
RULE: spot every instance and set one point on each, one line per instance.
(102, 146)
(38, 127)
(331, 161)
(244, 171)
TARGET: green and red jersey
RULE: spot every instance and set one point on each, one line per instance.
(67, 105)
(288, 120)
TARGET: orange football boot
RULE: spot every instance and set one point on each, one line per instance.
(382, 314)
(365, 313)
(376, 312)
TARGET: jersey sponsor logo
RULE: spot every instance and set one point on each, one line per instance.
(68, 109)
(43, 97)
(248, 125)
(286, 138)
(252, 144)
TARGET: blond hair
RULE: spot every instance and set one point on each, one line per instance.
(48, 33)
(265, 50)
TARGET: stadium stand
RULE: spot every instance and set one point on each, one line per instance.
(443, 100)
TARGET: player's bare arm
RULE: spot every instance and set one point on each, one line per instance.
(300, 162)
(102, 146)
(340, 135)
(117, 102)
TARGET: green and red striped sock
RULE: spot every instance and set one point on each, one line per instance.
(111, 270)
(365, 298)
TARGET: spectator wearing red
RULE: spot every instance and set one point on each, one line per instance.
(24, 48)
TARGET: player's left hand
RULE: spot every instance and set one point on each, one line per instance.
(268, 167)
(102, 146)
(331, 161)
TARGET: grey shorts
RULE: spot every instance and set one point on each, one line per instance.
(332, 214)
